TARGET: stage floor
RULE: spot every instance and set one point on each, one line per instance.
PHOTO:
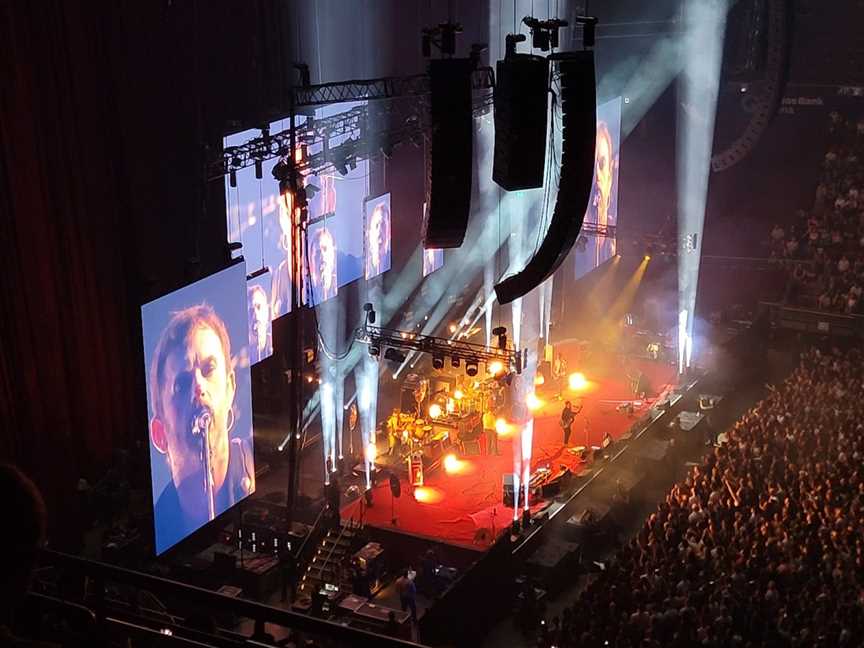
(452, 507)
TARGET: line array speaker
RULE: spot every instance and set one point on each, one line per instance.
(449, 169)
(579, 133)
(521, 107)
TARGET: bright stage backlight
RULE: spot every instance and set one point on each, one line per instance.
(434, 410)
(533, 402)
(496, 367)
(451, 463)
(458, 394)
(502, 427)
(577, 381)
(371, 452)
(428, 495)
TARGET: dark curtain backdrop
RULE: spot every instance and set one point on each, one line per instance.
(107, 112)
(66, 380)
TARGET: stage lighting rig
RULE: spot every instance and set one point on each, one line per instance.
(394, 355)
(442, 37)
(544, 33)
(440, 348)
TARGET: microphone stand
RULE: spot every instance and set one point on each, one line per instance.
(201, 428)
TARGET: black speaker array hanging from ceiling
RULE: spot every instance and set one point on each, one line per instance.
(521, 108)
(450, 163)
(579, 118)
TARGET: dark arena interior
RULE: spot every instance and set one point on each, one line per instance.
(457, 323)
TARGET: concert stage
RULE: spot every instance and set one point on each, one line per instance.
(463, 506)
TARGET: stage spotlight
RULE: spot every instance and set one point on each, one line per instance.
(471, 367)
(501, 426)
(371, 452)
(455, 362)
(434, 410)
(394, 355)
(495, 367)
(437, 361)
(577, 381)
(451, 463)
(458, 394)
(539, 379)
(533, 402)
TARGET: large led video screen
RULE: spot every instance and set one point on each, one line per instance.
(199, 403)
(321, 270)
(433, 258)
(338, 195)
(261, 220)
(377, 222)
(592, 250)
(259, 320)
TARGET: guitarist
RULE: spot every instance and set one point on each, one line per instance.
(566, 422)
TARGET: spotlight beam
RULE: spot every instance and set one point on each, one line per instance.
(705, 26)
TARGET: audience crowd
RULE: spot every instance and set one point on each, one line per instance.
(761, 544)
(823, 250)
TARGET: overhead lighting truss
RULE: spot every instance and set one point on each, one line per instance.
(379, 338)
(348, 124)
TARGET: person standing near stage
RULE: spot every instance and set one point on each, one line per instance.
(407, 593)
(490, 432)
(566, 422)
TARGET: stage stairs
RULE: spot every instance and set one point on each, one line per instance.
(331, 562)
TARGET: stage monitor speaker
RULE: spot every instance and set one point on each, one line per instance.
(450, 167)
(509, 491)
(521, 107)
(579, 117)
(395, 486)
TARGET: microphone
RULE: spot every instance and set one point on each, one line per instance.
(201, 427)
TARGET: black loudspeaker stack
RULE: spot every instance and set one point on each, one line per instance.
(578, 96)
(521, 109)
(509, 492)
(450, 167)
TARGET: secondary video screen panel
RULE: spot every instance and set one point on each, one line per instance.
(261, 220)
(259, 319)
(592, 250)
(320, 271)
(199, 402)
(377, 220)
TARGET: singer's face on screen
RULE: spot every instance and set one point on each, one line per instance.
(259, 317)
(197, 377)
(603, 171)
(377, 238)
(323, 262)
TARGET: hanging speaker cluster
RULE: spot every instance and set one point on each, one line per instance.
(521, 108)
(579, 118)
(450, 162)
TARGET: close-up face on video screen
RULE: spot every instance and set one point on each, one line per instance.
(199, 401)
(260, 318)
(602, 212)
(377, 236)
(321, 264)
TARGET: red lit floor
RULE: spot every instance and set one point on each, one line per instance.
(452, 506)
